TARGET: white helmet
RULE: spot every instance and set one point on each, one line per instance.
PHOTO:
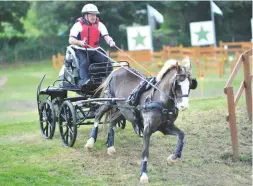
(90, 9)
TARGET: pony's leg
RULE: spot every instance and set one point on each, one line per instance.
(94, 131)
(180, 144)
(136, 128)
(110, 142)
(145, 154)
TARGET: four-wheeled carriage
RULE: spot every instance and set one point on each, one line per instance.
(54, 105)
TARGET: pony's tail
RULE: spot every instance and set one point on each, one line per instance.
(106, 124)
(105, 84)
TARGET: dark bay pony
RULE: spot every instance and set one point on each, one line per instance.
(157, 107)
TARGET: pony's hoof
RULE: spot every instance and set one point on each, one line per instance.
(111, 150)
(144, 178)
(172, 159)
(89, 145)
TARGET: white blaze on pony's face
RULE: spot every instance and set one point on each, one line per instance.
(180, 85)
(183, 102)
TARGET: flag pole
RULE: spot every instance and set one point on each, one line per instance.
(212, 16)
(150, 25)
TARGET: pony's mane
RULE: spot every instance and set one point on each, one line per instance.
(172, 63)
(166, 67)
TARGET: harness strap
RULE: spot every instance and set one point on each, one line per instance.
(159, 106)
(183, 96)
(134, 97)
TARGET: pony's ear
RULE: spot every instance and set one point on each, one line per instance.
(186, 62)
(177, 66)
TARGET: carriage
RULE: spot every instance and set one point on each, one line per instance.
(55, 106)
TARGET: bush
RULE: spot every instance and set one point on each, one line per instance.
(23, 49)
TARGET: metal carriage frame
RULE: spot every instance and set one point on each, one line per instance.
(54, 106)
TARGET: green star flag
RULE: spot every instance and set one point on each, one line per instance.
(202, 34)
(139, 40)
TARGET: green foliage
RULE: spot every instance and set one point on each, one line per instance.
(29, 26)
(9, 31)
(28, 20)
(32, 48)
(11, 12)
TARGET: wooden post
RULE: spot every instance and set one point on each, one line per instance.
(247, 81)
(219, 67)
(205, 64)
(54, 61)
(222, 70)
(232, 121)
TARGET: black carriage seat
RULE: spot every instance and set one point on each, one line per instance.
(97, 72)
(71, 61)
(54, 92)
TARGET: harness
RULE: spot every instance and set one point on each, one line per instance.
(144, 86)
(170, 112)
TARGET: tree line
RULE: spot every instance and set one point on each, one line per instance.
(34, 23)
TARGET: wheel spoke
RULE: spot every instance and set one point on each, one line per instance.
(68, 114)
(70, 129)
(70, 135)
(45, 130)
(64, 134)
(48, 122)
(49, 115)
(64, 117)
(67, 135)
(48, 110)
(44, 114)
(65, 113)
(46, 126)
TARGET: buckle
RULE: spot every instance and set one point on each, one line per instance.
(165, 111)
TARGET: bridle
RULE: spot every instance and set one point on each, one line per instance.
(179, 78)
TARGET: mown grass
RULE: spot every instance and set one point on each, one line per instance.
(28, 159)
(18, 95)
(23, 80)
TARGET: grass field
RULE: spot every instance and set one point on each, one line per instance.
(27, 159)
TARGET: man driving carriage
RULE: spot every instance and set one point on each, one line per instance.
(86, 33)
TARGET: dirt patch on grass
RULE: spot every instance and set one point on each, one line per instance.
(3, 81)
(22, 105)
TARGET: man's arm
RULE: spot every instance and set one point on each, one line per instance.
(109, 41)
(74, 41)
(74, 31)
(105, 34)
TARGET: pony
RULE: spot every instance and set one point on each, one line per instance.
(156, 109)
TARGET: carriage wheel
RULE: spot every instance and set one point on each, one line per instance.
(47, 119)
(121, 123)
(67, 124)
